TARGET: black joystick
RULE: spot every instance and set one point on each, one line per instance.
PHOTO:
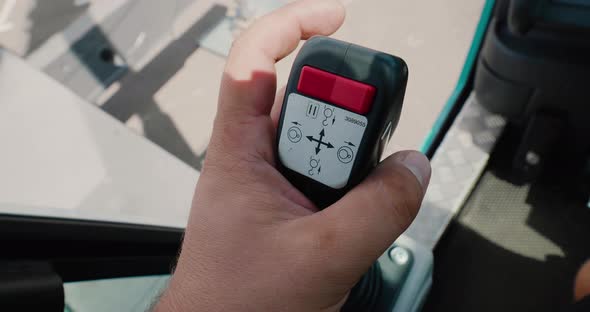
(342, 104)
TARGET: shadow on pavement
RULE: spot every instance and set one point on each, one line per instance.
(137, 89)
(49, 17)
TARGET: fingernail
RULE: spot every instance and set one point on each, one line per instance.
(418, 164)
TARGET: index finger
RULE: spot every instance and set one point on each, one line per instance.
(268, 40)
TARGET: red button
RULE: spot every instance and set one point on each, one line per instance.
(331, 88)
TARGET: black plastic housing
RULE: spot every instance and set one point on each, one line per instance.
(79, 250)
(533, 69)
(387, 73)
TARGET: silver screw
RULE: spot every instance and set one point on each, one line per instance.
(532, 158)
(399, 255)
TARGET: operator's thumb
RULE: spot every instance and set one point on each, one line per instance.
(372, 215)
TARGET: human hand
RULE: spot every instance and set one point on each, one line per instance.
(582, 282)
(253, 241)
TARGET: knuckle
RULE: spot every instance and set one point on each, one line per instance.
(230, 133)
(237, 43)
(317, 241)
(323, 246)
(325, 240)
(244, 39)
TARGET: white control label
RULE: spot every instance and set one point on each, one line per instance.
(320, 140)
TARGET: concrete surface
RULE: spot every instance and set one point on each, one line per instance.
(178, 104)
(433, 37)
(63, 157)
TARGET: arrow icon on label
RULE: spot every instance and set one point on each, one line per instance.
(349, 143)
(320, 142)
(296, 123)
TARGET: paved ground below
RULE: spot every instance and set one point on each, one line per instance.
(172, 100)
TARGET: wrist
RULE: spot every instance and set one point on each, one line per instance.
(173, 298)
(183, 293)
